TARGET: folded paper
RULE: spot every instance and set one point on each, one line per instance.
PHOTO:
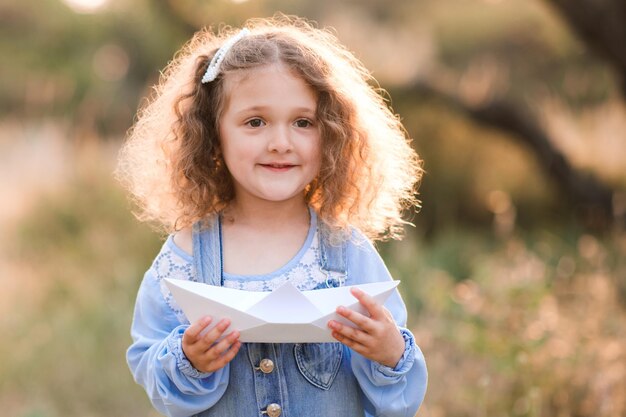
(285, 315)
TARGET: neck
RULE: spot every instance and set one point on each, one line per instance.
(267, 213)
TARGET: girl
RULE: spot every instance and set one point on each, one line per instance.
(269, 156)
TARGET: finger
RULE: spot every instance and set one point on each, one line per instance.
(349, 332)
(373, 307)
(232, 352)
(214, 334)
(192, 334)
(223, 345)
(351, 343)
(361, 321)
(228, 356)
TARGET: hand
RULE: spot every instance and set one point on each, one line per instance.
(204, 352)
(376, 337)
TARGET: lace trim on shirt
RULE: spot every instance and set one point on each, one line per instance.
(169, 264)
(305, 275)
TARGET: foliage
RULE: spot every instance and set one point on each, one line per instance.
(79, 255)
(533, 325)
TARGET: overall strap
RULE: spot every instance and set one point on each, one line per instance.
(333, 257)
(207, 254)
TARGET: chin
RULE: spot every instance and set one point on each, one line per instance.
(282, 197)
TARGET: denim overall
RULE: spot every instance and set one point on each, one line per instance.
(283, 379)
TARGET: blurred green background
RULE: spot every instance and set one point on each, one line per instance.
(514, 274)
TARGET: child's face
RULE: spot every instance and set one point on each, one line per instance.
(269, 134)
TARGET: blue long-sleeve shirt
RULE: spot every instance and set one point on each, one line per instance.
(309, 379)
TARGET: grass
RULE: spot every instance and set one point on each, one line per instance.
(532, 326)
(80, 255)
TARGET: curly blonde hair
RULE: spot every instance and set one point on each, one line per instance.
(172, 163)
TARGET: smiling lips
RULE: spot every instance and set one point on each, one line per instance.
(278, 167)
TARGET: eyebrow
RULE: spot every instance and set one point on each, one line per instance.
(301, 109)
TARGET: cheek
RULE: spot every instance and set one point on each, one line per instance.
(238, 162)
(233, 150)
(230, 157)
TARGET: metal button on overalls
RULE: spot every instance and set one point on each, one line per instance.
(266, 366)
(273, 410)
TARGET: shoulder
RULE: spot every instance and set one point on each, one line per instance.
(357, 241)
(363, 260)
(351, 239)
(184, 240)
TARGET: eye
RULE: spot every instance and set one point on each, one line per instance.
(303, 123)
(256, 122)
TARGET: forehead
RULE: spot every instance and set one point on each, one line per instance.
(274, 85)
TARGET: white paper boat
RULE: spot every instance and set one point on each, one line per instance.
(285, 315)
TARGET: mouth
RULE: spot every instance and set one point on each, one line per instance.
(277, 166)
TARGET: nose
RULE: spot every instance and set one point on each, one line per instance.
(280, 140)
